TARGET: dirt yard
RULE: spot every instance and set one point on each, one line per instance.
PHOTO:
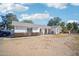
(50, 45)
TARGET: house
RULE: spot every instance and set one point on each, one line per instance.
(27, 29)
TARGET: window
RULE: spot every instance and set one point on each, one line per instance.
(29, 29)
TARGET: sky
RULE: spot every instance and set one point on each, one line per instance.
(41, 13)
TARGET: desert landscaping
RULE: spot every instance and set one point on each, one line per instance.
(51, 45)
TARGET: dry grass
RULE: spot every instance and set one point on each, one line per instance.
(76, 44)
(60, 44)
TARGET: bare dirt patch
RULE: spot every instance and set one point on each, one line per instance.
(49, 45)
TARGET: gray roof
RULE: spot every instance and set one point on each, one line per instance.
(29, 25)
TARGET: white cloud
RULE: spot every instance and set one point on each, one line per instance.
(20, 7)
(71, 21)
(75, 4)
(6, 7)
(34, 16)
(57, 5)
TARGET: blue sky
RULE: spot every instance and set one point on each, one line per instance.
(40, 13)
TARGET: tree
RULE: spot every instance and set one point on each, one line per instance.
(0, 25)
(4, 22)
(72, 27)
(7, 21)
(10, 17)
(50, 23)
(62, 24)
(75, 27)
(27, 21)
(78, 30)
(54, 21)
(69, 27)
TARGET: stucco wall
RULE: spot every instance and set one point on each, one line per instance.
(36, 30)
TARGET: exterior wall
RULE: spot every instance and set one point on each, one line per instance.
(22, 30)
(44, 31)
(18, 29)
(53, 30)
(36, 30)
(56, 30)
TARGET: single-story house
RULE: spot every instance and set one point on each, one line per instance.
(27, 29)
